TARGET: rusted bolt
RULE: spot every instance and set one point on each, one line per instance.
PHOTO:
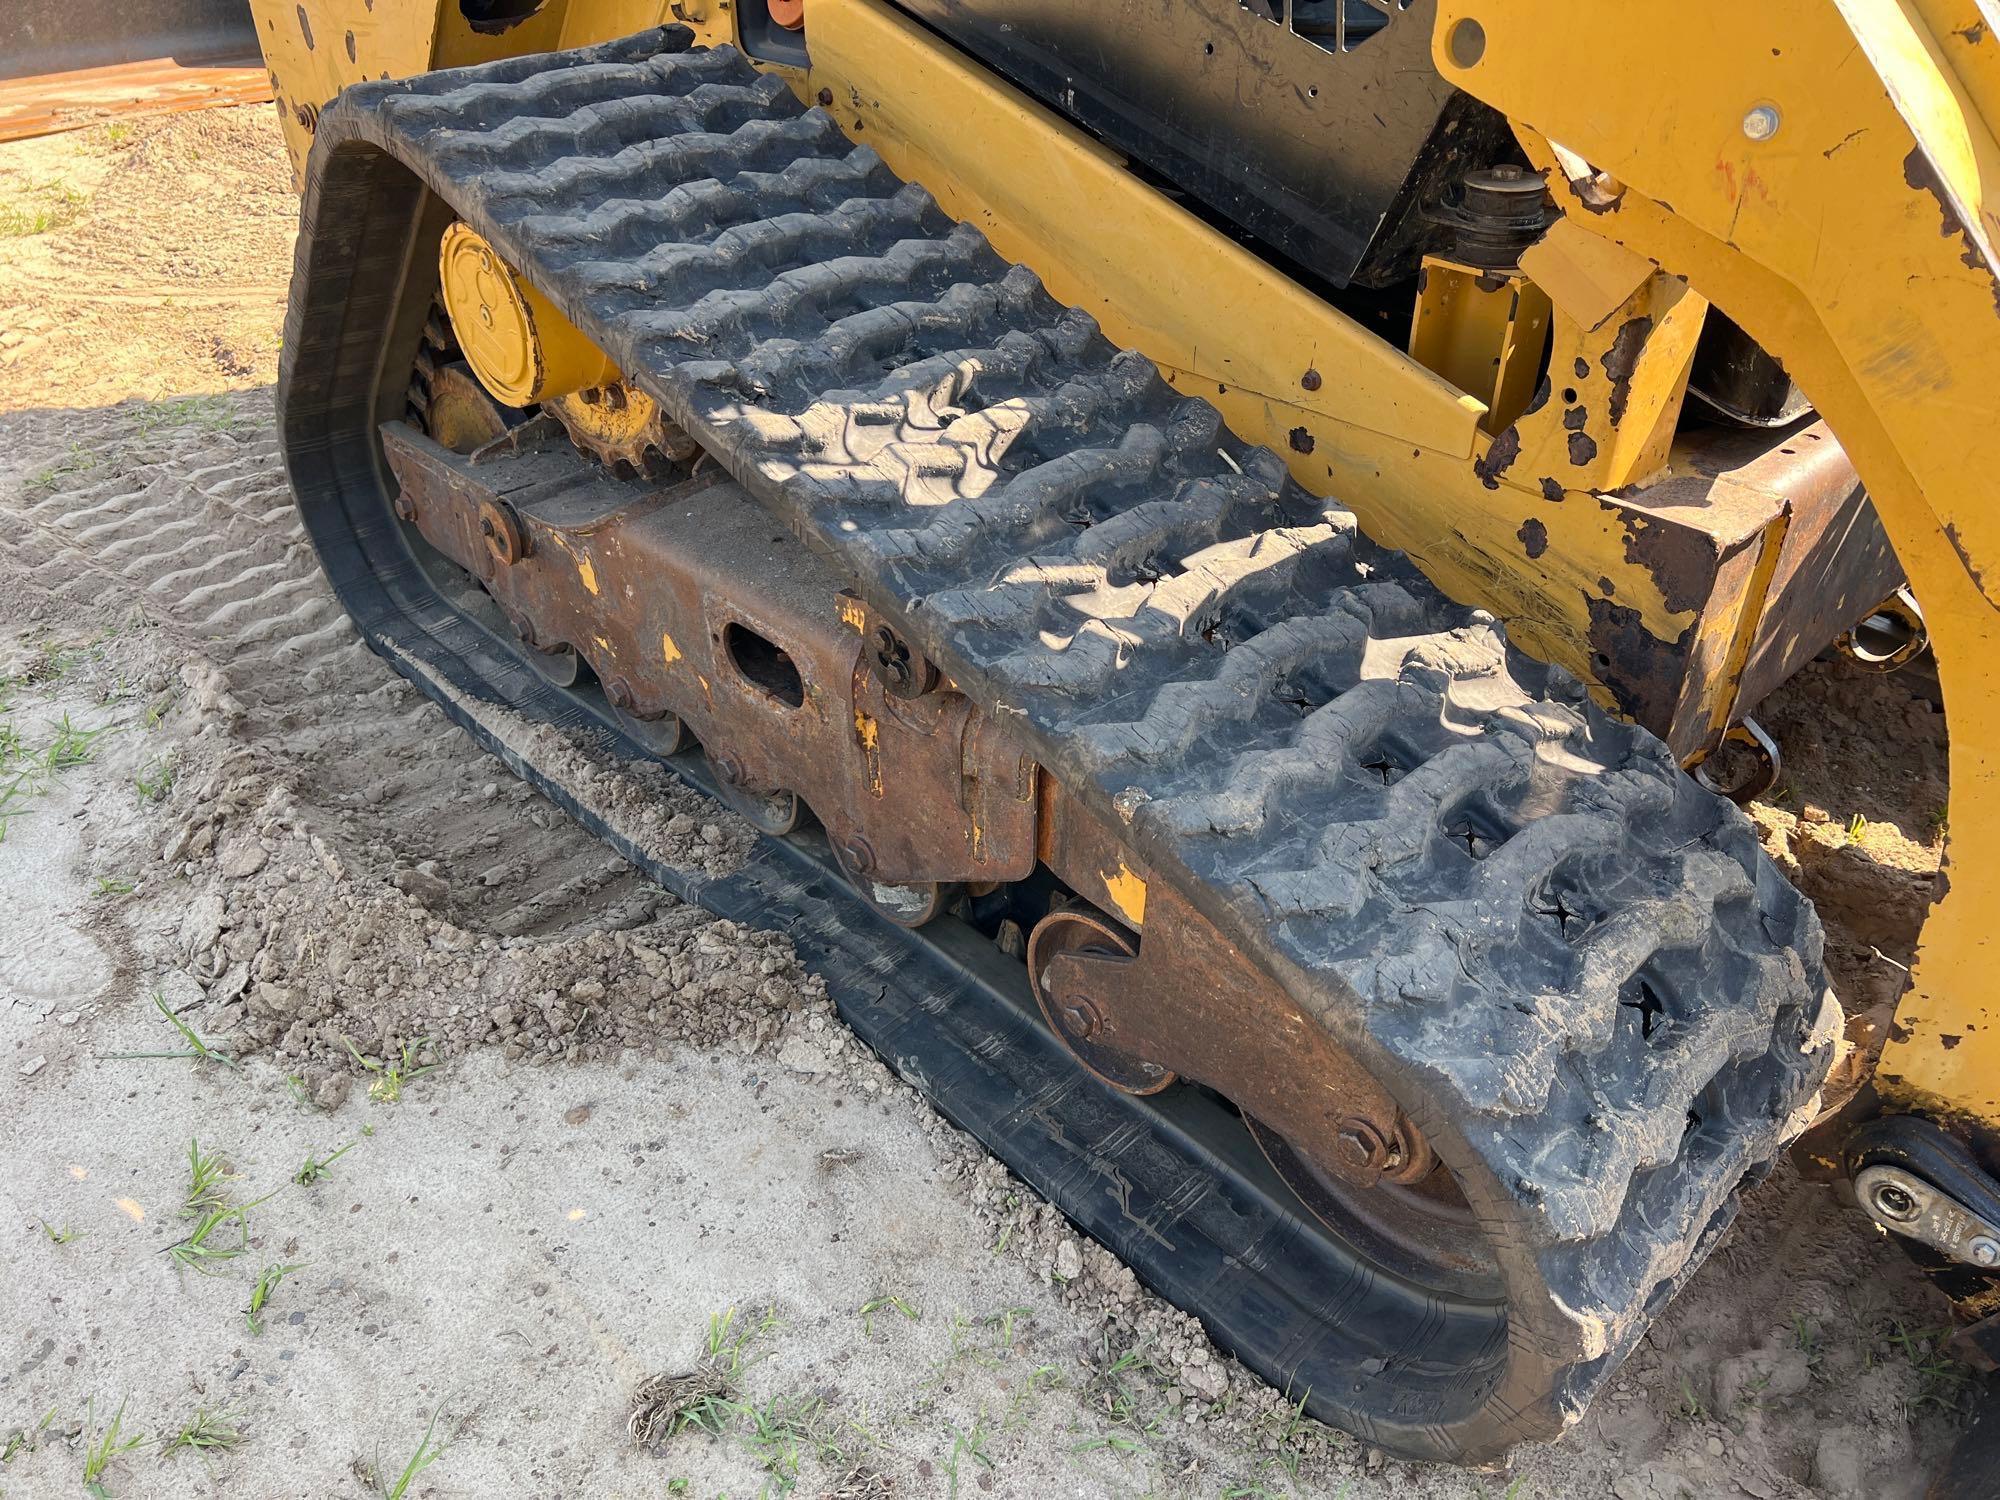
(904, 674)
(406, 508)
(1310, 380)
(892, 657)
(501, 530)
(619, 691)
(1360, 1147)
(859, 854)
(1081, 1017)
(590, 395)
(730, 769)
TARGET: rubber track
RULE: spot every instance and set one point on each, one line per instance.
(1574, 967)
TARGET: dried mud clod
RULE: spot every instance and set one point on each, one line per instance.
(662, 1400)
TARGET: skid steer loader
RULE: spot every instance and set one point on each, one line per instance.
(1211, 535)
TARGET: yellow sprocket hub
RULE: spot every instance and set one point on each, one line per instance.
(519, 345)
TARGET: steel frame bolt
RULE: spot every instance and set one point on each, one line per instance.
(619, 692)
(1985, 1251)
(1761, 123)
(729, 768)
(1081, 1017)
(1360, 1146)
(860, 855)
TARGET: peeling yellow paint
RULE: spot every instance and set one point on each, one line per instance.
(587, 573)
(869, 735)
(853, 613)
(1128, 893)
(604, 645)
(669, 652)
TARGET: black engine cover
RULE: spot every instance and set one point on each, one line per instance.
(1328, 157)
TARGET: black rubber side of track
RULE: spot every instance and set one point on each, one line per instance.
(1572, 966)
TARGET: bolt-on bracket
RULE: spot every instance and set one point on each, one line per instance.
(1903, 1203)
(1184, 1002)
(1918, 1182)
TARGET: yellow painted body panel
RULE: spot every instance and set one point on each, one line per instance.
(1856, 241)
(1483, 333)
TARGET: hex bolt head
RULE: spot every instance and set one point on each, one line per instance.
(619, 691)
(860, 855)
(1895, 1202)
(729, 768)
(1761, 123)
(1081, 1018)
(1985, 1251)
(1360, 1146)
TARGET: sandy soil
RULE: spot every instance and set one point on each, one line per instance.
(621, 1132)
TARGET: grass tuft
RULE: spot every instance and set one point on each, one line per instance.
(108, 1444)
(209, 1177)
(46, 206)
(157, 779)
(268, 1281)
(429, 1451)
(205, 1432)
(891, 1302)
(391, 1077)
(197, 1049)
(208, 1247)
(316, 1168)
(73, 746)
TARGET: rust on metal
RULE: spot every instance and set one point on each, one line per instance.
(50, 103)
(702, 609)
(1185, 1002)
(692, 609)
(1776, 536)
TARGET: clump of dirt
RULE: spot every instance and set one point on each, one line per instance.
(1857, 821)
(303, 955)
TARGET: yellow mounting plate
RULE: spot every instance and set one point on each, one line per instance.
(522, 349)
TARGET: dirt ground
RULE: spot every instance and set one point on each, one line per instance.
(600, 1153)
